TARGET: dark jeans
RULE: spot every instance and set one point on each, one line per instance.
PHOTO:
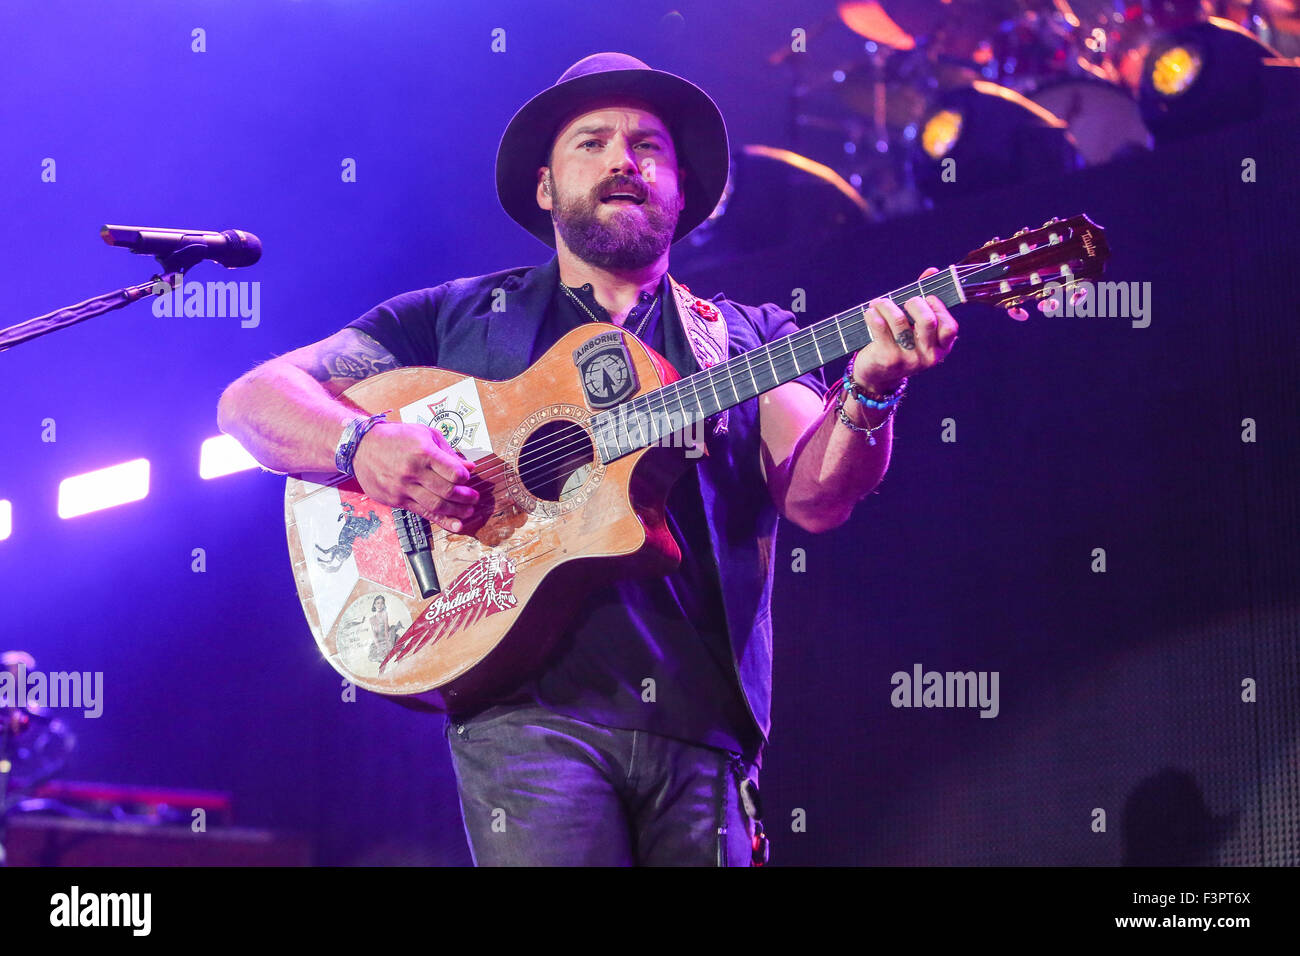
(541, 789)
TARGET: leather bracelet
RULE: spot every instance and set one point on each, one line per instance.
(868, 430)
(350, 441)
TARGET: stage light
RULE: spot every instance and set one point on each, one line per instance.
(1175, 70)
(223, 456)
(940, 133)
(105, 488)
(1209, 75)
(985, 135)
(6, 519)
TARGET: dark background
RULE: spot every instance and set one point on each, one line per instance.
(1119, 690)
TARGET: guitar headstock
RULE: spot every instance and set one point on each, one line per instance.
(1006, 272)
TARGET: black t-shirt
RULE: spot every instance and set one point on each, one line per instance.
(650, 653)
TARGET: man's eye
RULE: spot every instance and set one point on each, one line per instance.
(587, 143)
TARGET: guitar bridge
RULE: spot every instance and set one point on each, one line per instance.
(413, 536)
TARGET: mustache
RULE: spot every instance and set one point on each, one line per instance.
(623, 184)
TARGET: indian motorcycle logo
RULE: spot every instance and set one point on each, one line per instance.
(481, 589)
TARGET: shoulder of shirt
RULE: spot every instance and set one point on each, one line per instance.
(752, 314)
(464, 287)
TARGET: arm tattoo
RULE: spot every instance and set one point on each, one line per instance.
(355, 357)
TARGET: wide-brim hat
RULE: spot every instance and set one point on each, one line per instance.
(693, 119)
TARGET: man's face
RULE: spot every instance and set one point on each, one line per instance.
(621, 147)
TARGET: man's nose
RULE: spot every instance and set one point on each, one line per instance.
(624, 158)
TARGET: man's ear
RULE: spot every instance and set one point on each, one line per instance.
(544, 188)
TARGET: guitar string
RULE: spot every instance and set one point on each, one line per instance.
(804, 350)
(632, 411)
(547, 454)
(531, 471)
(535, 470)
(798, 352)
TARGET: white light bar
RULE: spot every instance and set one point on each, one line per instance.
(6, 519)
(223, 456)
(105, 488)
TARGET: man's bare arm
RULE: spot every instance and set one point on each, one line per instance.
(288, 414)
(816, 469)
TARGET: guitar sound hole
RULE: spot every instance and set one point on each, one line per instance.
(555, 460)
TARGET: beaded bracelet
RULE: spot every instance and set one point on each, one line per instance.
(881, 401)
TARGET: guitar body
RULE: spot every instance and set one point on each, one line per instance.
(554, 522)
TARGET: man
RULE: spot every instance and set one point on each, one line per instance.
(641, 740)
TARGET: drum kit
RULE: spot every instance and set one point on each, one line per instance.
(873, 70)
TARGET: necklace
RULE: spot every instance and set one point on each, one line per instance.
(644, 319)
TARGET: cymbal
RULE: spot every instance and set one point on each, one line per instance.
(869, 20)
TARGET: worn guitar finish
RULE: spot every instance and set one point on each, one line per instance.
(483, 616)
(574, 461)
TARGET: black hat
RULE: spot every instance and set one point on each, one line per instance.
(699, 136)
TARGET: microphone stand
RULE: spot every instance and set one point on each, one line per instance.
(174, 265)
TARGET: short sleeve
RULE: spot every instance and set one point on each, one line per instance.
(405, 325)
(773, 322)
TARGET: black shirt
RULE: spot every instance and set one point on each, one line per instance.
(650, 653)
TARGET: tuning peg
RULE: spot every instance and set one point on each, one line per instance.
(992, 242)
(1049, 222)
(1022, 231)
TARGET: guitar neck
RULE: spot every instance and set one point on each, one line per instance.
(647, 419)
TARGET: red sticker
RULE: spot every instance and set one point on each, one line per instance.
(378, 554)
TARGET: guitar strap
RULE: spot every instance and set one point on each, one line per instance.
(706, 331)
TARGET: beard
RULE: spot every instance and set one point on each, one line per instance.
(622, 239)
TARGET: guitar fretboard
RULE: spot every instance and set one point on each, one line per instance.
(650, 418)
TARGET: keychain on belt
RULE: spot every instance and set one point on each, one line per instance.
(751, 803)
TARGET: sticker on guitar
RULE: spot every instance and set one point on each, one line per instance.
(481, 589)
(368, 629)
(346, 537)
(457, 412)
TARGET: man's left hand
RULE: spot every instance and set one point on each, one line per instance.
(903, 341)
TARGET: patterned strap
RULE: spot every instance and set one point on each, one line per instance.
(706, 331)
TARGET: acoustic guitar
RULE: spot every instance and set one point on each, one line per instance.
(573, 487)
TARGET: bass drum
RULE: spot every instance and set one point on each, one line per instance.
(1103, 119)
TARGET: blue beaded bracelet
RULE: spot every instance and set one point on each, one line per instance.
(884, 402)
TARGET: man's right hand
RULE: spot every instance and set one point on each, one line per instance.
(412, 466)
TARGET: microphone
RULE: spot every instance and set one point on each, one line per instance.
(233, 248)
